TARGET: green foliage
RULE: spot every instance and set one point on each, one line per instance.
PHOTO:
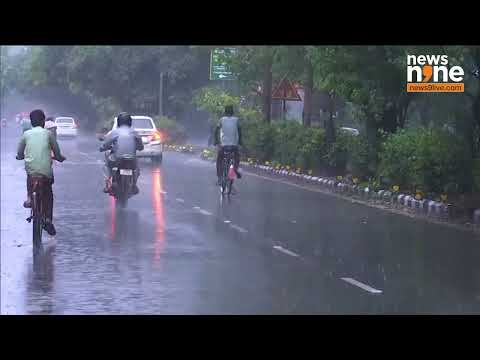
(258, 139)
(337, 153)
(120, 76)
(358, 162)
(297, 145)
(370, 78)
(349, 154)
(422, 158)
(173, 131)
(213, 100)
(476, 174)
(286, 143)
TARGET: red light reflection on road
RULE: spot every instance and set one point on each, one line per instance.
(113, 219)
(157, 198)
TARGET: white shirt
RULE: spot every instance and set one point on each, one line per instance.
(50, 124)
(229, 131)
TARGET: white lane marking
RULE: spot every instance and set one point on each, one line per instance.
(227, 221)
(285, 251)
(201, 211)
(293, 221)
(362, 285)
(180, 200)
(82, 153)
(238, 228)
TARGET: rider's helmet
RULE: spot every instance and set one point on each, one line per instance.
(124, 119)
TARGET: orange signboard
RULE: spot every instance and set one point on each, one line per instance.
(286, 91)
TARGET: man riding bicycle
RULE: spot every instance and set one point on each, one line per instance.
(36, 147)
(228, 137)
(123, 142)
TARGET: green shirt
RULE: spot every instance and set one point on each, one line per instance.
(36, 146)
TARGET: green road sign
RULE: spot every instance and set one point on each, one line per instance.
(219, 69)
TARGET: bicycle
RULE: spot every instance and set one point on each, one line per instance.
(228, 172)
(37, 212)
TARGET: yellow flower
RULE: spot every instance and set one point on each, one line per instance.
(418, 196)
(443, 197)
(396, 188)
(287, 167)
(355, 180)
(339, 177)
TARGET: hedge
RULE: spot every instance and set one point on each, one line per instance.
(415, 159)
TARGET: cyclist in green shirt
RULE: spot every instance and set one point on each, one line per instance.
(36, 147)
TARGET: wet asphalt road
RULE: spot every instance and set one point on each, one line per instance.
(179, 249)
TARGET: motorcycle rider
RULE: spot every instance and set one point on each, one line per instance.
(36, 147)
(123, 142)
(228, 136)
(51, 126)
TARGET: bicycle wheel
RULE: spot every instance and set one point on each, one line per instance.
(37, 219)
(229, 186)
(228, 180)
(224, 180)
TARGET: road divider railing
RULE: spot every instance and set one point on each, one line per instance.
(181, 148)
(439, 210)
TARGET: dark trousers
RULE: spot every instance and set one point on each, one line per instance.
(46, 193)
(221, 154)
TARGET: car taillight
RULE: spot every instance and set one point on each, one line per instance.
(157, 136)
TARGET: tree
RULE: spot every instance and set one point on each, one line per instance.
(372, 78)
(252, 63)
(115, 78)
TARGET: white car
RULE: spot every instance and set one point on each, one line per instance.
(152, 139)
(66, 126)
(350, 131)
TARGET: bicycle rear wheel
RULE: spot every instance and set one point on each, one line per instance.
(224, 180)
(229, 186)
(37, 219)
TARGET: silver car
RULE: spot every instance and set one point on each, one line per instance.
(66, 126)
(152, 139)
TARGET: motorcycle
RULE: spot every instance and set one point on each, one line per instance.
(123, 176)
